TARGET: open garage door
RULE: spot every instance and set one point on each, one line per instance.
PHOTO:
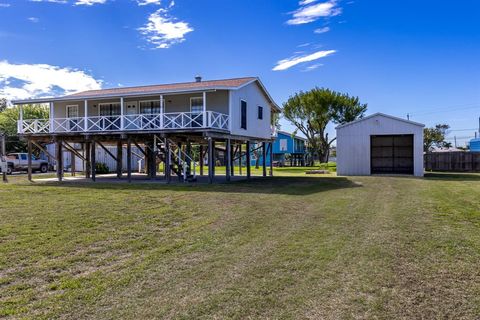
(391, 154)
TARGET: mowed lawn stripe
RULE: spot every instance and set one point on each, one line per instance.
(285, 247)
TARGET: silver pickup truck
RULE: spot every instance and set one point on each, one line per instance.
(19, 162)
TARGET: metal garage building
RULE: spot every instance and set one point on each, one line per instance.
(380, 144)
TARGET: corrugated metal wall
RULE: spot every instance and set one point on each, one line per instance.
(101, 157)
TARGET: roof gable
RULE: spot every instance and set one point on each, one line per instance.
(379, 114)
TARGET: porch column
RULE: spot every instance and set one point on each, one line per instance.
(85, 116)
(248, 160)
(264, 158)
(228, 153)
(59, 159)
(204, 109)
(29, 168)
(122, 122)
(162, 110)
(51, 117)
(20, 125)
(119, 159)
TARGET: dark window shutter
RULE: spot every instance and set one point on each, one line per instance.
(244, 115)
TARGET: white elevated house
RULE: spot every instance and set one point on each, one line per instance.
(380, 144)
(164, 121)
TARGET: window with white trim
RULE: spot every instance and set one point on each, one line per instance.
(72, 111)
(196, 105)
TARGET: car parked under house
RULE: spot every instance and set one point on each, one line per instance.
(163, 121)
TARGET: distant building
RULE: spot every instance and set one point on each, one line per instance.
(475, 145)
(288, 149)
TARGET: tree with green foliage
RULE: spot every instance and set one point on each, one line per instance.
(3, 104)
(313, 110)
(8, 124)
(435, 137)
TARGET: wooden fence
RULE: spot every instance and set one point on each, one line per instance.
(452, 161)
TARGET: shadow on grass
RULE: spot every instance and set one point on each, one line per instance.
(269, 185)
(452, 176)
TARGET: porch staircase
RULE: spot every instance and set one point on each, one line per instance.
(180, 162)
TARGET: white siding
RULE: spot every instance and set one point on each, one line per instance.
(353, 143)
(100, 157)
(254, 97)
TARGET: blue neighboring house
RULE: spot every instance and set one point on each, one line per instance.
(475, 145)
(287, 144)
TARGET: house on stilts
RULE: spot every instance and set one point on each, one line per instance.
(163, 122)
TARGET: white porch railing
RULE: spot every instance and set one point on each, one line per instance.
(136, 122)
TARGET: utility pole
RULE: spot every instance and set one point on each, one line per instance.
(455, 138)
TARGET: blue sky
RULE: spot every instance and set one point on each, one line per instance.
(416, 57)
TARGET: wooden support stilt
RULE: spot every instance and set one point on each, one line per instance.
(59, 159)
(119, 159)
(264, 159)
(129, 160)
(211, 153)
(188, 151)
(168, 159)
(72, 163)
(228, 149)
(93, 161)
(232, 160)
(29, 168)
(201, 159)
(247, 152)
(271, 159)
(87, 163)
(240, 157)
(180, 163)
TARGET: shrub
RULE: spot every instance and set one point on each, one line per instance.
(101, 168)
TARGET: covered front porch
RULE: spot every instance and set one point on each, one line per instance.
(187, 111)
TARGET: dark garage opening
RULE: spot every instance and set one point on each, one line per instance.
(391, 154)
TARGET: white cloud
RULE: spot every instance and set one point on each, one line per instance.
(313, 12)
(312, 67)
(4, 5)
(322, 30)
(305, 2)
(89, 2)
(22, 81)
(146, 2)
(163, 31)
(33, 19)
(51, 1)
(293, 61)
(77, 2)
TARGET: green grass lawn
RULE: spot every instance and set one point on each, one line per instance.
(291, 246)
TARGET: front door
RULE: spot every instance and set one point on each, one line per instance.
(131, 118)
(131, 108)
